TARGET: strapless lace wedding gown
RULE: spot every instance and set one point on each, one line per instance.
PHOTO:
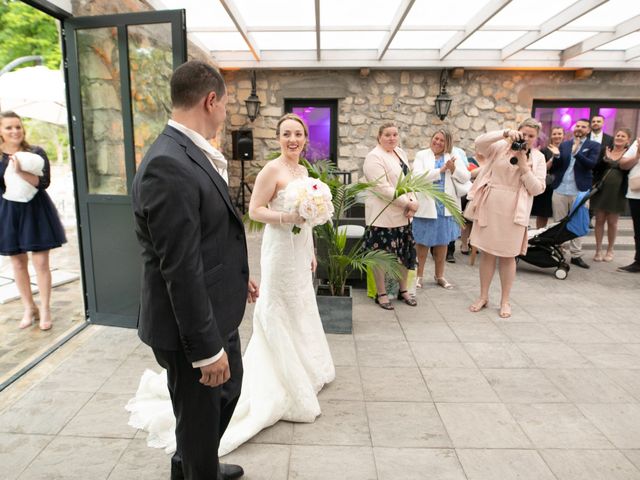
(287, 360)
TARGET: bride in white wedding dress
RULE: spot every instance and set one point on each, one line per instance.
(287, 360)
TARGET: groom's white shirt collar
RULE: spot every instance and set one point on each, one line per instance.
(220, 165)
(216, 158)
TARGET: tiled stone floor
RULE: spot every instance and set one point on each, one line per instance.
(18, 347)
(433, 392)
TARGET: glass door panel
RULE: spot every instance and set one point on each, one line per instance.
(119, 68)
(150, 65)
(102, 110)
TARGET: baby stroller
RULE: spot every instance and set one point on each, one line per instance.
(544, 249)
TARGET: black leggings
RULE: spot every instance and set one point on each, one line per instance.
(634, 206)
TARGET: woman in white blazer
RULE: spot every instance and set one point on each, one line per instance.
(433, 225)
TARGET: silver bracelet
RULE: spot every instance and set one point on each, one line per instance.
(280, 218)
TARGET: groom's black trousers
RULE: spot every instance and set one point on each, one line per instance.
(202, 413)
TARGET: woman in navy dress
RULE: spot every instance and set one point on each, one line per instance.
(32, 226)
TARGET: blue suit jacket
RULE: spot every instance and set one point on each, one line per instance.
(586, 160)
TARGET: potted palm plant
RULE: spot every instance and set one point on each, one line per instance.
(339, 258)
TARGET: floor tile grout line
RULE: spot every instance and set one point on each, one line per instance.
(122, 453)
(53, 437)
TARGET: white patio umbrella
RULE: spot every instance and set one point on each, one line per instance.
(34, 92)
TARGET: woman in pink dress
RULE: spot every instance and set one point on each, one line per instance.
(501, 203)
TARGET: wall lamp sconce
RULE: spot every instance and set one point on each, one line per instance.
(443, 100)
(253, 102)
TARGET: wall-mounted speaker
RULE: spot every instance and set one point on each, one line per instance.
(242, 144)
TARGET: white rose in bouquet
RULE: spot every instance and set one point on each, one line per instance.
(311, 199)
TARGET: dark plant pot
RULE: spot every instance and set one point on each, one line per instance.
(336, 313)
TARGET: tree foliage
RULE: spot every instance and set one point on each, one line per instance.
(26, 31)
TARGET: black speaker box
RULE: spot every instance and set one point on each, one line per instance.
(242, 144)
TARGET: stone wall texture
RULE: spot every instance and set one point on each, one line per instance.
(482, 101)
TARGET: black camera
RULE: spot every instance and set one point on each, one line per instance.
(519, 145)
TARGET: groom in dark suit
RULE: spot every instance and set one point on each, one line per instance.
(195, 276)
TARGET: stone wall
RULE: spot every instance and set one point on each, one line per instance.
(482, 101)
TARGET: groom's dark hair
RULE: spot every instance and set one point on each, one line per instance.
(192, 81)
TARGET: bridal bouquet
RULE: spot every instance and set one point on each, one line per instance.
(311, 199)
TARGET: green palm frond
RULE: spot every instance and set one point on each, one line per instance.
(412, 183)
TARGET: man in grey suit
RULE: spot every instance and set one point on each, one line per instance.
(195, 275)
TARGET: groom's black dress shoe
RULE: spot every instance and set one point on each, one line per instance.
(579, 262)
(229, 471)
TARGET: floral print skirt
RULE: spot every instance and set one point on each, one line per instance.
(397, 241)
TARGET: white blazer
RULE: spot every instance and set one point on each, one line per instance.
(425, 162)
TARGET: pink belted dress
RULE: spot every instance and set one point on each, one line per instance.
(501, 198)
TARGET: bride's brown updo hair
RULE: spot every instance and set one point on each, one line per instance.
(295, 118)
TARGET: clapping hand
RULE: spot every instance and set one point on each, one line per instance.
(451, 164)
(608, 149)
(553, 149)
(576, 144)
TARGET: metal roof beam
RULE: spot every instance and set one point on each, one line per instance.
(317, 9)
(632, 53)
(236, 18)
(396, 23)
(479, 19)
(568, 15)
(591, 43)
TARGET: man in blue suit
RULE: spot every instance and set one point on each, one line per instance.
(573, 174)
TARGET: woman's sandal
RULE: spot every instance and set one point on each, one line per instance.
(385, 305)
(597, 257)
(411, 301)
(443, 283)
(478, 305)
(608, 257)
(505, 310)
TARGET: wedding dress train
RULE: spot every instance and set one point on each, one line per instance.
(287, 360)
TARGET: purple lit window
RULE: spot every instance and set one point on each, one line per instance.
(318, 120)
(565, 117)
(565, 114)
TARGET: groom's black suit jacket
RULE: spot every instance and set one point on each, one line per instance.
(195, 271)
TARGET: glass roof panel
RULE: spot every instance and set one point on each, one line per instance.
(215, 41)
(351, 40)
(608, 15)
(560, 40)
(275, 13)
(483, 40)
(528, 14)
(421, 40)
(201, 14)
(285, 40)
(623, 43)
(335, 13)
(451, 12)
